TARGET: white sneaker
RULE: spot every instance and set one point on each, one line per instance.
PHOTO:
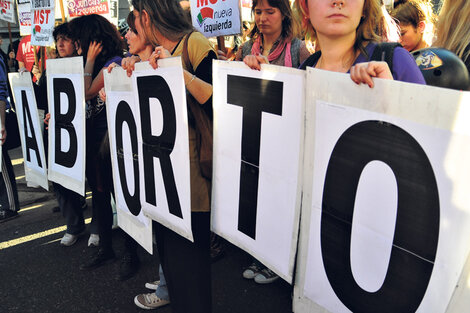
(68, 240)
(149, 301)
(266, 276)
(152, 285)
(94, 240)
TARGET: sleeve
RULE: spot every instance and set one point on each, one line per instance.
(199, 48)
(405, 68)
(204, 72)
(3, 83)
(19, 54)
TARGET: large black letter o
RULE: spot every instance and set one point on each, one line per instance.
(417, 223)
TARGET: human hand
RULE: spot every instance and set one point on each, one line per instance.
(111, 66)
(36, 72)
(46, 120)
(11, 54)
(255, 61)
(221, 55)
(94, 50)
(128, 64)
(3, 135)
(362, 73)
(158, 53)
(102, 94)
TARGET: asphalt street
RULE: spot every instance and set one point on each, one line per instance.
(38, 275)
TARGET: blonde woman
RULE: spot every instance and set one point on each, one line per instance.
(453, 29)
(346, 32)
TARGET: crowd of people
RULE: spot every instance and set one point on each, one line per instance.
(346, 36)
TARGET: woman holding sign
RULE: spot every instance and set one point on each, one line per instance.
(273, 36)
(186, 265)
(346, 32)
(100, 42)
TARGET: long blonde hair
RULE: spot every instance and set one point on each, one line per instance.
(369, 28)
(453, 28)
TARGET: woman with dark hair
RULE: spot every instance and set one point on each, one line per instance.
(186, 265)
(273, 36)
(97, 39)
(416, 21)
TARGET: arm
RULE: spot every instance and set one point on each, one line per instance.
(92, 86)
(199, 88)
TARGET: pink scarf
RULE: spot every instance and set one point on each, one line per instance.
(285, 44)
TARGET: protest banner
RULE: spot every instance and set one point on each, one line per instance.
(258, 118)
(164, 166)
(126, 154)
(87, 7)
(42, 24)
(7, 11)
(24, 16)
(386, 209)
(216, 17)
(35, 166)
(66, 98)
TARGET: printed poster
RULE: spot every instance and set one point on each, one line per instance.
(7, 11)
(24, 16)
(43, 18)
(87, 7)
(216, 18)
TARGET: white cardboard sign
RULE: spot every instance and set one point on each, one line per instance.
(30, 129)
(164, 169)
(386, 203)
(258, 122)
(66, 97)
(124, 137)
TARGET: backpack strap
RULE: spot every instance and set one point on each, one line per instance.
(186, 60)
(384, 52)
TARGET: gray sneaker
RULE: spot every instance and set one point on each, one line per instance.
(266, 276)
(149, 301)
(251, 271)
(152, 285)
(68, 240)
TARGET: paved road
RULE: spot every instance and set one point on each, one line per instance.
(38, 275)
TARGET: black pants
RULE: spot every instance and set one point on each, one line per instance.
(8, 191)
(70, 204)
(99, 176)
(187, 265)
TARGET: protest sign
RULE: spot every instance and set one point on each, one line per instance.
(30, 129)
(24, 16)
(164, 170)
(385, 203)
(126, 154)
(66, 97)
(258, 118)
(42, 25)
(7, 11)
(87, 7)
(216, 17)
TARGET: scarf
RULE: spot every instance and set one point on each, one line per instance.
(273, 55)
